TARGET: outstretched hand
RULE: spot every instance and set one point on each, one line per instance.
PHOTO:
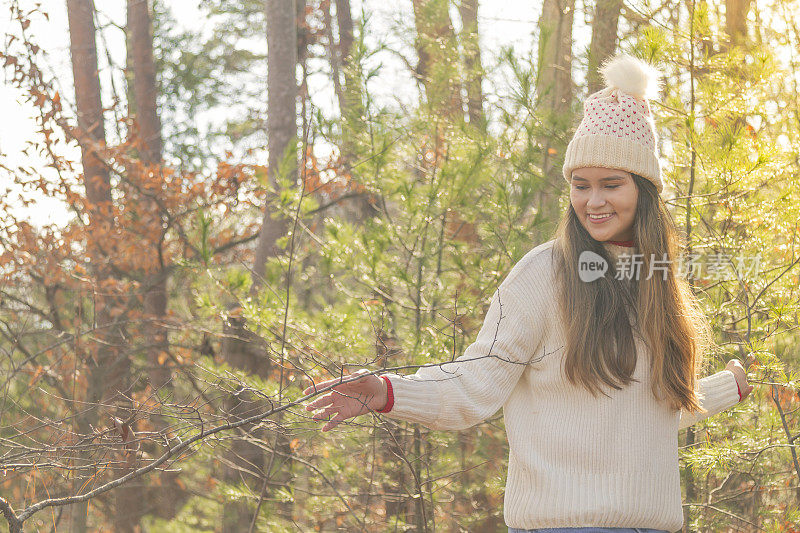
(739, 372)
(348, 400)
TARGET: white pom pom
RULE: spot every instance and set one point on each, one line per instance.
(631, 75)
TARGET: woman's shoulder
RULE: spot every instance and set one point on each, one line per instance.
(535, 270)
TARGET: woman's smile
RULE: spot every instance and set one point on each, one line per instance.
(599, 219)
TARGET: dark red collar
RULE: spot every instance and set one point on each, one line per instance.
(628, 244)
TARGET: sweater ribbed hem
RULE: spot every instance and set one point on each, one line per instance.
(414, 400)
(389, 396)
(556, 499)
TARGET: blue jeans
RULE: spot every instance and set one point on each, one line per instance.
(588, 530)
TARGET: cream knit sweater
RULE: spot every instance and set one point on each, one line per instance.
(574, 460)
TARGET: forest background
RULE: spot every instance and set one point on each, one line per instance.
(206, 207)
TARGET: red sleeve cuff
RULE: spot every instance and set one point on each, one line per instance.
(390, 400)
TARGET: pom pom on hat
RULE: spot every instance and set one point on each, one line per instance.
(631, 75)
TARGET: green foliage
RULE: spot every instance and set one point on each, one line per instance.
(458, 206)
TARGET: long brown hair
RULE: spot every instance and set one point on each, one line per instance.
(602, 316)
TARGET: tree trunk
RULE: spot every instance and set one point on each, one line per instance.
(736, 20)
(144, 81)
(334, 55)
(604, 40)
(243, 462)
(353, 98)
(353, 110)
(134, 501)
(150, 148)
(283, 54)
(108, 366)
(241, 348)
(281, 118)
(554, 82)
(87, 98)
(362, 204)
(344, 19)
(473, 75)
(736, 26)
(554, 99)
(437, 52)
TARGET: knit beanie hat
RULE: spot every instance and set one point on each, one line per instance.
(617, 129)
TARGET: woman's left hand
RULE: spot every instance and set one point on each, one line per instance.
(735, 366)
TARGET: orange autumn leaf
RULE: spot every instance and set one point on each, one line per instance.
(36, 375)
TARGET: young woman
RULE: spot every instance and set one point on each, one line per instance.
(591, 345)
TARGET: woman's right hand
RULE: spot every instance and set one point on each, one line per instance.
(740, 373)
(354, 398)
